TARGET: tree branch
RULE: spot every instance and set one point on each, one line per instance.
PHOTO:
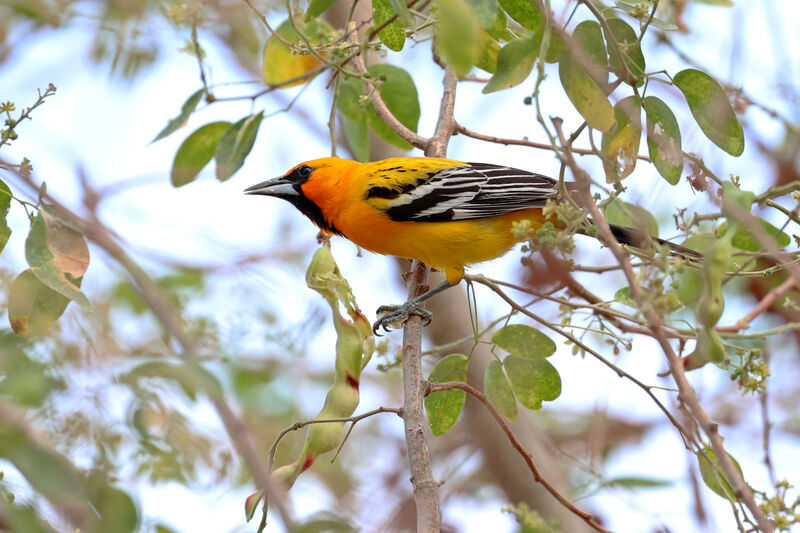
(478, 395)
(164, 311)
(685, 391)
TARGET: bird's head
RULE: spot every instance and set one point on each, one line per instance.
(306, 186)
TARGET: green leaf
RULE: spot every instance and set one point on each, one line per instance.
(532, 380)
(196, 152)
(514, 63)
(54, 255)
(629, 46)
(457, 39)
(744, 240)
(525, 12)
(281, 64)
(117, 511)
(188, 108)
(623, 296)
(5, 205)
(485, 11)
(713, 475)
(393, 35)
(489, 51)
(400, 95)
(620, 146)
(353, 118)
(589, 37)
(33, 307)
(24, 380)
(524, 341)
(663, 139)
(357, 134)
(631, 216)
(584, 93)
(635, 482)
(711, 109)
(317, 8)
(403, 14)
(251, 504)
(443, 407)
(235, 144)
(498, 391)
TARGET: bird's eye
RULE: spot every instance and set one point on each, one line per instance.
(305, 171)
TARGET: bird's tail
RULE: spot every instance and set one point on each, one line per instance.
(639, 239)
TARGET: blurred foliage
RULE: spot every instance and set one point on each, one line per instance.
(106, 390)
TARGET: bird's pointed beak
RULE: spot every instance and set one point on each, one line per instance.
(278, 187)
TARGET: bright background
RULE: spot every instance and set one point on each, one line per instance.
(101, 125)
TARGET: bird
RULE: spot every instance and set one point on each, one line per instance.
(446, 213)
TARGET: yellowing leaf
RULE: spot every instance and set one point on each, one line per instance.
(620, 146)
(584, 93)
(280, 65)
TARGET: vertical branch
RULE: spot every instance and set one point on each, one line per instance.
(426, 488)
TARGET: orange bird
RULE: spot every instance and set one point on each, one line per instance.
(445, 213)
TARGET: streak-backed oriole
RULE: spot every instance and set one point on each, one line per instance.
(445, 213)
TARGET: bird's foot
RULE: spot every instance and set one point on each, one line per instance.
(395, 316)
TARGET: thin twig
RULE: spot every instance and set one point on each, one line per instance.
(526, 455)
(765, 303)
(383, 112)
(686, 392)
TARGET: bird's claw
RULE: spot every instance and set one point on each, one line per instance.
(395, 316)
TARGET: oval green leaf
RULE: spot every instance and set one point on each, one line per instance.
(744, 240)
(630, 48)
(196, 152)
(353, 118)
(514, 63)
(524, 341)
(33, 307)
(490, 50)
(235, 144)
(713, 475)
(498, 391)
(457, 38)
(663, 139)
(532, 380)
(317, 8)
(188, 108)
(620, 146)
(485, 11)
(631, 216)
(393, 35)
(443, 407)
(711, 109)
(589, 37)
(525, 12)
(584, 93)
(399, 93)
(5, 205)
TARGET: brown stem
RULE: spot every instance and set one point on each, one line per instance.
(765, 303)
(478, 395)
(685, 391)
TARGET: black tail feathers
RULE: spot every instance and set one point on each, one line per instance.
(639, 239)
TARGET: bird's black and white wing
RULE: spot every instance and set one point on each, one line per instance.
(473, 190)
